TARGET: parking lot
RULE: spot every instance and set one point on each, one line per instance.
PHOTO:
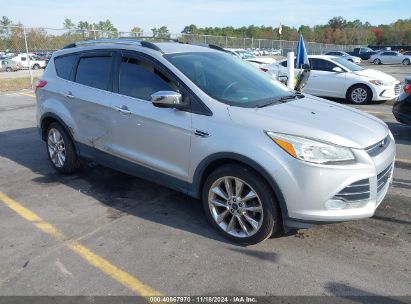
(101, 232)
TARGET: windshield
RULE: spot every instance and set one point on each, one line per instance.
(246, 55)
(347, 64)
(229, 79)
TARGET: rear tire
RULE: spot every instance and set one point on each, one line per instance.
(238, 214)
(377, 61)
(36, 67)
(406, 62)
(9, 69)
(60, 149)
(359, 94)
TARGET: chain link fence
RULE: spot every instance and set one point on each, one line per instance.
(29, 46)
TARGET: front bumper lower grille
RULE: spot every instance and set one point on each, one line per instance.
(357, 191)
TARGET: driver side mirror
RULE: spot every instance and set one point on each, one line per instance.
(337, 70)
(168, 99)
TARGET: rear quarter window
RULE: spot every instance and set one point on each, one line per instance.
(64, 65)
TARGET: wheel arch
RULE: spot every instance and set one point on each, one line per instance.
(359, 84)
(47, 119)
(217, 160)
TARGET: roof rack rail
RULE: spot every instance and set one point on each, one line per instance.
(151, 45)
(99, 41)
(216, 47)
(139, 41)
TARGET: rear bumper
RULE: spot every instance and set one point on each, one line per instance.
(402, 118)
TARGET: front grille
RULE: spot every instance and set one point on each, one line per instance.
(357, 191)
(397, 89)
(378, 147)
(382, 178)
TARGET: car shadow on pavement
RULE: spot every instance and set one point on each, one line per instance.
(257, 254)
(355, 295)
(121, 193)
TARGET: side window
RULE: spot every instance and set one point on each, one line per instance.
(94, 71)
(385, 54)
(23, 58)
(322, 65)
(64, 65)
(140, 79)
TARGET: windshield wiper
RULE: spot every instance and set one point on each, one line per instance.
(283, 99)
(297, 95)
(272, 102)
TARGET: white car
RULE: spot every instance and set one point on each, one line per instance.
(250, 57)
(276, 71)
(390, 57)
(336, 77)
(24, 59)
(344, 55)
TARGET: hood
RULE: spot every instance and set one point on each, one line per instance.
(276, 68)
(316, 118)
(261, 60)
(374, 74)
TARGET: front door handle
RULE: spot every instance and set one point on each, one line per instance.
(123, 109)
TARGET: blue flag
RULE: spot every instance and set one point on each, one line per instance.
(301, 57)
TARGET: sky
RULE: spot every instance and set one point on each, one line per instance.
(175, 14)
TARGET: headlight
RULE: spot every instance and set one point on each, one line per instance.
(380, 82)
(311, 150)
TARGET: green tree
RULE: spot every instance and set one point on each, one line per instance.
(161, 32)
(137, 31)
(68, 24)
(190, 29)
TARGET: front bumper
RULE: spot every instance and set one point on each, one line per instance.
(386, 92)
(308, 188)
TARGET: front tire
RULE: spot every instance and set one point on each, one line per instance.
(36, 67)
(406, 62)
(60, 149)
(240, 204)
(9, 69)
(359, 94)
(377, 61)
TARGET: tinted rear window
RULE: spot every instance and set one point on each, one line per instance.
(64, 65)
(94, 71)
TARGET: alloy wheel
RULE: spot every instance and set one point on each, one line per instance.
(359, 95)
(56, 148)
(235, 206)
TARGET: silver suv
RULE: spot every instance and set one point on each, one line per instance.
(263, 159)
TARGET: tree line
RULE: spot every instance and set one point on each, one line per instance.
(336, 31)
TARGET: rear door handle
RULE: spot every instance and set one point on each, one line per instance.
(123, 109)
(68, 95)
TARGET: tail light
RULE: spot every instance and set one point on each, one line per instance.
(263, 69)
(40, 84)
(407, 89)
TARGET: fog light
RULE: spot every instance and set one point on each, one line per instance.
(334, 204)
